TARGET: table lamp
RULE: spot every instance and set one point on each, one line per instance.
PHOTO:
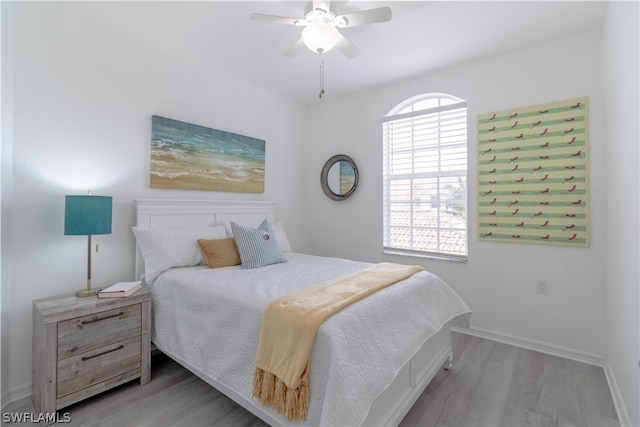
(87, 216)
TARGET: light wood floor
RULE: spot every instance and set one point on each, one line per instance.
(490, 384)
(494, 384)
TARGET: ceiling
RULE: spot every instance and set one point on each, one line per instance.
(421, 37)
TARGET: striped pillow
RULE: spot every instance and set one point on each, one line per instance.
(257, 246)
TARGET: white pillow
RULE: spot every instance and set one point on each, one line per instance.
(164, 249)
(281, 236)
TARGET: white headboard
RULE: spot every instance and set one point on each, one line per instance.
(180, 213)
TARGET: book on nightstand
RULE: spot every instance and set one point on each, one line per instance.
(120, 290)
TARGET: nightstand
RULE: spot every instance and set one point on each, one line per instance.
(84, 346)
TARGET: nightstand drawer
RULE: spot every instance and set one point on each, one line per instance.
(95, 366)
(98, 330)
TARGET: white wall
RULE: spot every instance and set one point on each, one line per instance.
(622, 74)
(6, 179)
(498, 282)
(84, 93)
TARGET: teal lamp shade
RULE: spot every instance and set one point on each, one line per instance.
(87, 215)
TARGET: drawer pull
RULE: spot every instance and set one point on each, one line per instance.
(85, 358)
(97, 319)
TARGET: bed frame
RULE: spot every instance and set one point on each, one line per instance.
(394, 402)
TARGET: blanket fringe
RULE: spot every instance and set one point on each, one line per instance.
(290, 403)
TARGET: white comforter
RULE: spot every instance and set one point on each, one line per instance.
(209, 319)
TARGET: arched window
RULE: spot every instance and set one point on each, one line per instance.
(425, 177)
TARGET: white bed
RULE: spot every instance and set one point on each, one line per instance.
(369, 362)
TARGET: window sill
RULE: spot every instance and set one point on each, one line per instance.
(426, 255)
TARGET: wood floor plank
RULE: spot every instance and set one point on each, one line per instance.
(596, 403)
(521, 407)
(559, 395)
(469, 373)
(486, 403)
(490, 384)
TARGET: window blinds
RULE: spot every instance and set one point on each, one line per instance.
(424, 173)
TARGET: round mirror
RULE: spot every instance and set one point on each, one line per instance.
(339, 177)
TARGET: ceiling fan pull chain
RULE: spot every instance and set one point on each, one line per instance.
(321, 76)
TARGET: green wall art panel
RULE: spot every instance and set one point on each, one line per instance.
(186, 156)
(533, 174)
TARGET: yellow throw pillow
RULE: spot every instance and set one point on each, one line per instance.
(220, 252)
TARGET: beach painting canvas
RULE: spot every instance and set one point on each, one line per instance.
(185, 156)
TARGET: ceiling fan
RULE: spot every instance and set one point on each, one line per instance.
(321, 24)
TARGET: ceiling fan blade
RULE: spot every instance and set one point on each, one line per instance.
(278, 19)
(295, 49)
(346, 47)
(371, 16)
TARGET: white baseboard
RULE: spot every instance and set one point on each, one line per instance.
(560, 351)
(542, 347)
(14, 394)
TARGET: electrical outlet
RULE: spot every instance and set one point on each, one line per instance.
(542, 287)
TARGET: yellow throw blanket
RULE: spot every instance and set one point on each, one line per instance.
(289, 326)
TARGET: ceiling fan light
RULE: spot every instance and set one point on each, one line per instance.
(320, 37)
